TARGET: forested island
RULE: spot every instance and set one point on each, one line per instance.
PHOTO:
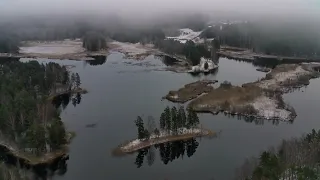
(31, 127)
(174, 125)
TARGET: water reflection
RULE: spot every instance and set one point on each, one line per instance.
(22, 170)
(98, 60)
(257, 121)
(64, 100)
(168, 152)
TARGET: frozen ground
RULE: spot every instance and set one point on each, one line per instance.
(53, 47)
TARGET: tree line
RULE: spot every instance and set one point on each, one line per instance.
(287, 39)
(28, 122)
(172, 122)
(297, 158)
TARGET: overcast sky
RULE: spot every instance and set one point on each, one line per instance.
(156, 7)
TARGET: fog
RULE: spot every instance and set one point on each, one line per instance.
(148, 9)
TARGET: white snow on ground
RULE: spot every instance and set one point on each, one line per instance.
(267, 108)
(186, 34)
(282, 77)
(181, 131)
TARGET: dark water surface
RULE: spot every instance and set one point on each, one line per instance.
(120, 90)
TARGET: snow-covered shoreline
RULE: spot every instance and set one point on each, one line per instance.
(163, 137)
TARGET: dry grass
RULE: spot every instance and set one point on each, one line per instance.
(190, 91)
(226, 98)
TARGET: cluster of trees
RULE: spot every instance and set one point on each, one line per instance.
(190, 50)
(27, 120)
(94, 41)
(63, 100)
(297, 158)
(168, 152)
(143, 35)
(172, 121)
(8, 43)
(99, 60)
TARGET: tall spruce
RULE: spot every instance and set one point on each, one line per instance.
(174, 120)
(140, 126)
(163, 121)
(168, 118)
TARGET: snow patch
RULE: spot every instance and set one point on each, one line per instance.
(201, 66)
(186, 34)
(267, 108)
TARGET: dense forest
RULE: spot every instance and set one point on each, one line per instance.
(172, 122)
(28, 121)
(274, 38)
(94, 41)
(294, 159)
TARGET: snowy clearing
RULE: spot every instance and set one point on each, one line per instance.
(186, 34)
(267, 108)
(281, 77)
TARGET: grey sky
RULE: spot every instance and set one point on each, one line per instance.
(156, 7)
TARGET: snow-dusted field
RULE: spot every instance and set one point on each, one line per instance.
(281, 77)
(267, 108)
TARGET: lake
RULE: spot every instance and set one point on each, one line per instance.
(120, 90)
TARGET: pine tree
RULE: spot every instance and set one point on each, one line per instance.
(73, 79)
(174, 120)
(183, 117)
(189, 123)
(141, 130)
(163, 121)
(168, 118)
(195, 118)
(77, 79)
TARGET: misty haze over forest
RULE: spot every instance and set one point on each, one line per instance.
(147, 9)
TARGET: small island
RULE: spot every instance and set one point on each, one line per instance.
(175, 125)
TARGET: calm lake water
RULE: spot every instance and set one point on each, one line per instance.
(120, 90)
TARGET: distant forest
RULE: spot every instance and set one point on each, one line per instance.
(301, 39)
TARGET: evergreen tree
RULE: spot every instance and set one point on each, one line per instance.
(57, 134)
(73, 79)
(141, 130)
(195, 118)
(163, 121)
(77, 80)
(190, 119)
(168, 118)
(183, 116)
(174, 120)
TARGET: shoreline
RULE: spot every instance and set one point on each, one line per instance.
(78, 90)
(34, 160)
(136, 144)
